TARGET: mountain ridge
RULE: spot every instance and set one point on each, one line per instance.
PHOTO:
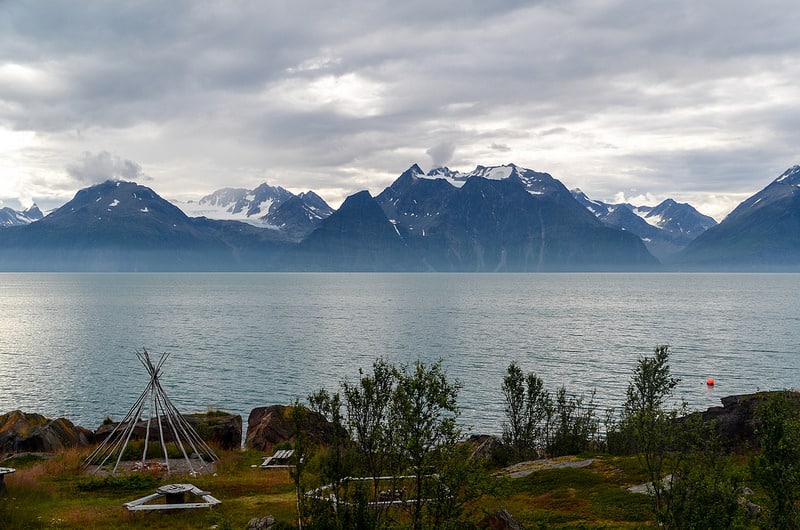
(494, 218)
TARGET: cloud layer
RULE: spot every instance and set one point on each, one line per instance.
(695, 101)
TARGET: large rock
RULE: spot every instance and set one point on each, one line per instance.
(29, 432)
(736, 421)
(483, 446)
(500, 520)
(221, 429)
(270, 426)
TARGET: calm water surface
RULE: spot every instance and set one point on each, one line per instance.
(238, 341)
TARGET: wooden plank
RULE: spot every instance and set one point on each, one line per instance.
(143, 500)
(146, 507)
(170, 491)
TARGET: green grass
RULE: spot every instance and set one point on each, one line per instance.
(54, 493)
(592, 497)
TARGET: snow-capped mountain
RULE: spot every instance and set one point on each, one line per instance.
(666, 228)
(298, 215)
(503, 218)
(238, 204)
(535, 182)
(265, 206)
(763, 232)
(10, 217)
(121, 225)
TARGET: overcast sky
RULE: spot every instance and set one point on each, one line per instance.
(629, 100)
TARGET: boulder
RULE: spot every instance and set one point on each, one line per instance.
(270, 426)
(264, 523)
(500, 520)
(483, 446)
(736, 421)
(30, 432)
(221, 429)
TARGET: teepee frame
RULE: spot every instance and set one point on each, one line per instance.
(165, 417)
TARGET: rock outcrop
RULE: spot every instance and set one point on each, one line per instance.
(220, 429)
(500, 520)
(270, 426)
(736, 419)
(483, 446)
(30, 432)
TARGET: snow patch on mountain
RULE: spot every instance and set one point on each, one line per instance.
(789, 174)
(219, 211)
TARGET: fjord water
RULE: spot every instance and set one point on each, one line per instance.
(238, 341)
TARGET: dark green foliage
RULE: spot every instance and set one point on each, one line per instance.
(424, 411)
(693, 483)
(368, 413)
(646, 427)
(302, 452)
(528, 410)
(777, 466)
(575, 426)
(401, 421)
(537, 425)
(120, 483)
(702, 488)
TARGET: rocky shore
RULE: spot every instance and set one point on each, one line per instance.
(23, 432)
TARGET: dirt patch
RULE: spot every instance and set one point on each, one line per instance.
(158, 468)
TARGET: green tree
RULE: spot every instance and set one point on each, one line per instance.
(644, 422)
(302, 451)
(333, 462)
(527, 409)
(368, 414)
(777, 465)
(575, 425)
(702, 487)
(424, 415)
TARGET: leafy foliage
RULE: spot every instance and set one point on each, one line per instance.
(528, 409)
(777, 466)
(401, 420)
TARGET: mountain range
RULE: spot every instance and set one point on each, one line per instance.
(666, 228)
(499, 218)
(10, 217)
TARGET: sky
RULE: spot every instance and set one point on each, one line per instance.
(629, 100)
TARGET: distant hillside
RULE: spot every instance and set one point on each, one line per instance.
(666, 229)
(762, 233)
(124, 226)
(503, 218)
(493, 219)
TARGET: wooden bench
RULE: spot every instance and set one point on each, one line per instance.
(175, 495)
(279, 459)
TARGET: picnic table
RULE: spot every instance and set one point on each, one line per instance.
(3, 472)
(279, 459)
(175, 499)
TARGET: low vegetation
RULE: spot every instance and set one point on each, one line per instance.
(397, 461)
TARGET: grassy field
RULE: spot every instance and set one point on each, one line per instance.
(56, 493)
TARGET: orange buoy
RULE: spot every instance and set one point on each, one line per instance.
(710, 381)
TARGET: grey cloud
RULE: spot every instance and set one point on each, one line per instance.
(94, 168)
(441, 153)
(524, 81)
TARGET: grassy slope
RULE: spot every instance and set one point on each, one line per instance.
(56, 494)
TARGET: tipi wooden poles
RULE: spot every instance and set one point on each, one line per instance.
(161, 414)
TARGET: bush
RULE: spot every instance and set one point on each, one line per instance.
(120, 483)
(777, 466)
